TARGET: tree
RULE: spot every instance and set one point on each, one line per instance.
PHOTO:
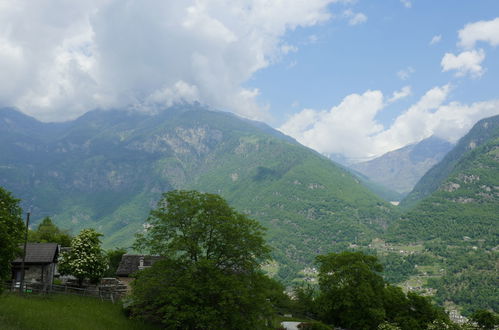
(351, 290)
(485, 319)
(114, 259)
(48, 232)
(355, 296)
(11, 232)
(85, 259)
(210, 275)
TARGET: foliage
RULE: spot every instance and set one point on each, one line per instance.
(351, 290)
(470, 279)
(210, 276)
(199, 295)
(85, 259)
(387, 326)
(192, 226)
(11, 232)
(457, 220)
(48, 232)
(354, 295)
(63, 312)
(304, 302)
(485, 319)
(114, 259)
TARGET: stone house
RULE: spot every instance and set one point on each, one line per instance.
(40, 264)
(131, 263)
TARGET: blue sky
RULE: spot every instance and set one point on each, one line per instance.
(351, 59)
(355, 78)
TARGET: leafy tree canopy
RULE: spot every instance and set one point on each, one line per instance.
(114, 258)
(354, 295)
(11, 232)
(485, 319)
(48, 232)
(85, 259)
(192, 226)
(210, 275)
(351, 290)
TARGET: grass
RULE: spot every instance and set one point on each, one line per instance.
(62, 312)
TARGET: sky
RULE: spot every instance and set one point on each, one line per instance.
(351, 78)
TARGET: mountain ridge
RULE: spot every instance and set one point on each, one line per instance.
(107, 170)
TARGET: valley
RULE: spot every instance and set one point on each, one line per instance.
(107, 169)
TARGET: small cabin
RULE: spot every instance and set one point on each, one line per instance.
(39, 265)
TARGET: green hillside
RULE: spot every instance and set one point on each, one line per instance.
(107, 169)
(458, 222)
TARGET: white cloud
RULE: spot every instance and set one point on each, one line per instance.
(406, 3)
(354, 18)
(436, 39)
(313, 38)
(351, 128)
(63, 59)
(487, 31)
(466, 63)
(405, 73)
(398, 95)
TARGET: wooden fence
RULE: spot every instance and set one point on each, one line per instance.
(104, 292)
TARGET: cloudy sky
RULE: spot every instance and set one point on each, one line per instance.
(351, 77)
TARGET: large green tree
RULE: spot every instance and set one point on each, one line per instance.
(354, 295)
(11, 232)
(210, 276)
(85, 259)
(351, 290)
(48, 232)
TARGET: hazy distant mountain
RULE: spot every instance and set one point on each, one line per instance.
(107, 169)
(401, 169)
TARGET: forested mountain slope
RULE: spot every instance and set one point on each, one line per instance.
(107, 169)
(458, 220)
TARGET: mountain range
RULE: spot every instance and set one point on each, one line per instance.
(107, 169)
(400, 170)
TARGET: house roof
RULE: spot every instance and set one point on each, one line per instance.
(39, 253)
(129, 263)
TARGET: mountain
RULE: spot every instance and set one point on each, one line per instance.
(400, 170)
(483, 132)
(107, 169)
(455, 213)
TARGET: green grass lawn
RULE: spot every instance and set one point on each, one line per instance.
(62, 312)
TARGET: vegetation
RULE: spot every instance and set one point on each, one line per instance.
(48, 232)
(485, 319)
(457, 220)
(114, 258)
(11, 233)
(308, 204)
(62, 312)
(210, 276)
(85, 259)
(354, 295)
